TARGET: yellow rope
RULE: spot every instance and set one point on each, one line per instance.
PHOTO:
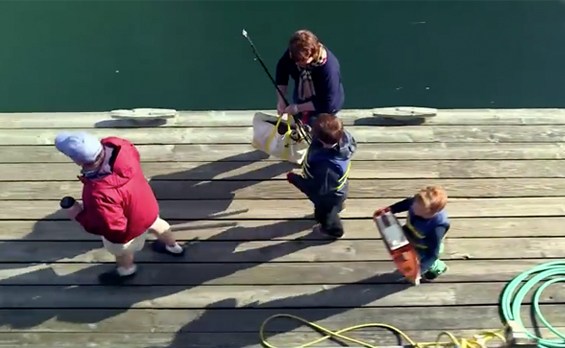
(478, 341)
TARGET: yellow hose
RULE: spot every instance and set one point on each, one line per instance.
(478, 341)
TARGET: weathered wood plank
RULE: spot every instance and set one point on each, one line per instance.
(250, 319)
(431, 169)
(251, 170)
(363, 134)
(366, 152)
(428, 169)
(381, 338)
(243, 135)
(246, 230)
(272, 296)
(197, 340)
(288, 251)
(233, 118)
(299, 208)
(228, 274)
(487, 133)
(281, 189)
(530, 168)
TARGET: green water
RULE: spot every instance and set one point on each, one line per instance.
(101, 55)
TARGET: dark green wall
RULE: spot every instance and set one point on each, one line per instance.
(101, 55)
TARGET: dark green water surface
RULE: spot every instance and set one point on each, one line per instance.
(101, 55)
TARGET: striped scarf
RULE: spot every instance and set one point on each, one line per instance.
(305, 84)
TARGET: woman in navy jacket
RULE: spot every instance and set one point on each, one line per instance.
(317, 77)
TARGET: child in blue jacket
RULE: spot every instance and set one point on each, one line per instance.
(325, 170)
(426, 226)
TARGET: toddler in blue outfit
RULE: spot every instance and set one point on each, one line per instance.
(426, 225)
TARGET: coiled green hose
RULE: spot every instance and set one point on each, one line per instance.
(513, 295)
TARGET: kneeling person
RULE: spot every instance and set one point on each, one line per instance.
(325, 170)
(426, 225)
(117, 201)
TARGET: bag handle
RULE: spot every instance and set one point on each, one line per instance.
(275, 131)
(279, 119)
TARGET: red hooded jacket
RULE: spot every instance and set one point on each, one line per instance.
(119, 206)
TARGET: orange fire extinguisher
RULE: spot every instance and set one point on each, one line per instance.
(403, 253)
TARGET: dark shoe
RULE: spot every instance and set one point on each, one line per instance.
(114, 278)
(319, 230)
(160, 247)
(429, 275)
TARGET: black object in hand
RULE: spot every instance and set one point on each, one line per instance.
(67, 202)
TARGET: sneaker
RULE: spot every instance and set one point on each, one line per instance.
(319, 230)
(114, 278)
(429, 275)
(161, 248)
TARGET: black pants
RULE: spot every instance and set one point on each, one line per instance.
(327, 215)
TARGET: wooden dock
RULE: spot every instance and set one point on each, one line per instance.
(250, 251)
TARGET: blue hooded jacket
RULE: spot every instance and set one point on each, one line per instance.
(325, 171)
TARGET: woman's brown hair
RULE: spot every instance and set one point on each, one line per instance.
(328, 128)
(304, 44)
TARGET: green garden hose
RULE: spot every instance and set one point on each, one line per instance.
(513, 295)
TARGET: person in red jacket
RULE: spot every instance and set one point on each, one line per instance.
(117, 202)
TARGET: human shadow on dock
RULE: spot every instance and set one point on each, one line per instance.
(314, 307)
(206, 261)
(65, 292)
(210, 182)
(45, 243)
